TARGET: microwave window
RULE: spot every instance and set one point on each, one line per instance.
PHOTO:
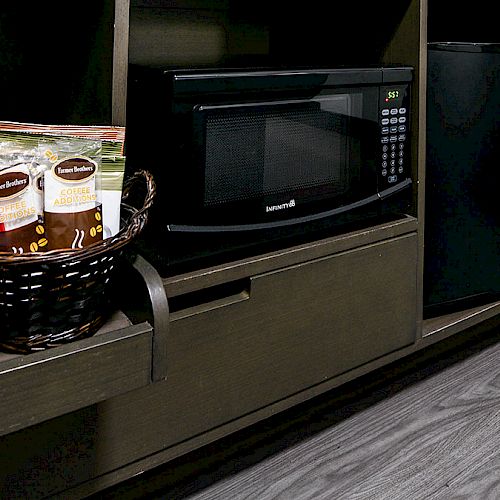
(251, 151)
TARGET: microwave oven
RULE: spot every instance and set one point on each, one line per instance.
(252, 151)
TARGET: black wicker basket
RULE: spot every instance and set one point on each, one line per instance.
(51, 298)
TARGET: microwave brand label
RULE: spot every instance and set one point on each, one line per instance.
(282, 206)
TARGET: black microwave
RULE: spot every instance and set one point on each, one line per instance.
(251, 150)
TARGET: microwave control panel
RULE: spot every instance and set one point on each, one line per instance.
(394, 120)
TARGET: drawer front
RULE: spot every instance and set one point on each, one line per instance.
(283, 332)
(294, 328)
(337, 313)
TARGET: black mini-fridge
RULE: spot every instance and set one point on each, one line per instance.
(462, 190)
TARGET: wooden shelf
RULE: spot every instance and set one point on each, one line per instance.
(120, 357)
(117, 321)
(213, 276)
(63, 379)
(449, 324)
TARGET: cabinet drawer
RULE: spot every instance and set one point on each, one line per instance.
(290, 329)
(46, 384)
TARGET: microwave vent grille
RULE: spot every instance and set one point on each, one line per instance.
(262, 152)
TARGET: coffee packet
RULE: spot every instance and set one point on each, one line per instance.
(21, 206)
(72, 191)
(112, 176)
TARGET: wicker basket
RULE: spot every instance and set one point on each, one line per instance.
(48, 299)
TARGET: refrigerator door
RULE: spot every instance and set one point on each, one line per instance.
(462, 243)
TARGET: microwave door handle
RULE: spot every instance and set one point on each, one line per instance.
(273, 224)
(289, 222)
(394, 189)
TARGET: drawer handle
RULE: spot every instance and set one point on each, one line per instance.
(208, 299)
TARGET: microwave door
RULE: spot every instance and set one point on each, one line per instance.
(277, 163)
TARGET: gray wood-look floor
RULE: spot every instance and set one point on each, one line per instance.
(424, 428)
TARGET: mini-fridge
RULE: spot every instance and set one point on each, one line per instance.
(462, 180)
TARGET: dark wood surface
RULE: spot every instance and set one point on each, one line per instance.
(50, 383)
(448, 324)
(208, 277)
(120, 62)
(425, 427)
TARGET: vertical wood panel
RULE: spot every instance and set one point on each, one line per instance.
(120, 61)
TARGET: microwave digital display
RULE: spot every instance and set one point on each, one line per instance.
(391, 95)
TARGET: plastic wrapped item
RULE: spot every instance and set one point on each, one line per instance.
(72, 191)
(21, 205)
(112, 159)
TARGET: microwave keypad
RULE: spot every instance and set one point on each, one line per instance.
(393, 130)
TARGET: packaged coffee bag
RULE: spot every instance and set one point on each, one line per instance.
(72, 191)
(21, 223)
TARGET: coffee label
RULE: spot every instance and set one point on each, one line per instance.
(70, 186)
(28, 238)
(74, 169)
(18, 205)
(74, 230)
(13, 183)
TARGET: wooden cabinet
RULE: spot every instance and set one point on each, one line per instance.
(243, 339)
